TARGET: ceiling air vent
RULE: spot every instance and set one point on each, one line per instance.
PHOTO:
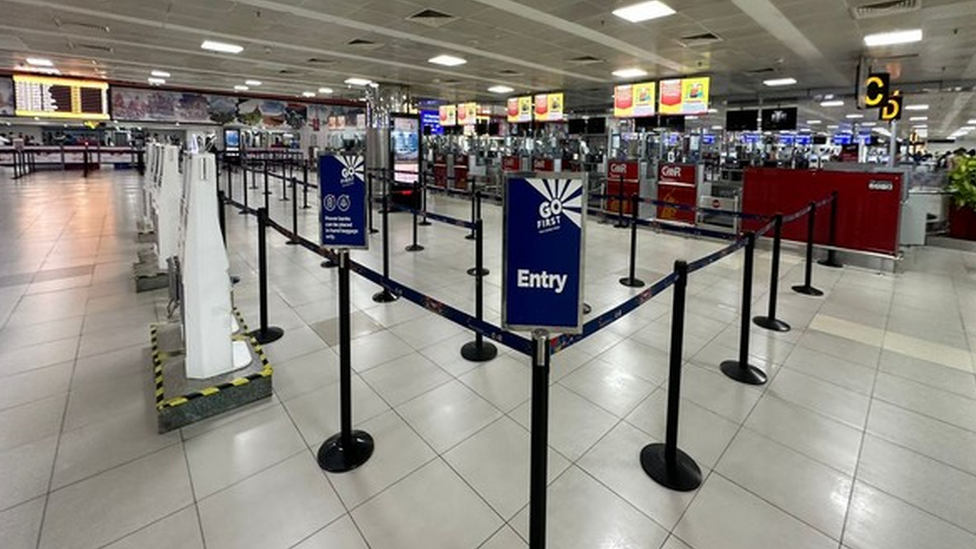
(450, 82)
(432, 18)
(585, 60)
(697, 40)
(888, 7)
(290, 72)
(764, 70)
(92, 47)
(509, 72)
(320, 61)
(80, 25)
(363, 44)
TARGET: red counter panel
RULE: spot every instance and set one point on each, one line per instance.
(868, 205)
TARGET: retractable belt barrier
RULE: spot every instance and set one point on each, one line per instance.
(671, 227)
(682, 207)
(447, 220)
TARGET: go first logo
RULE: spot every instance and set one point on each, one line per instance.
(352, 169)
(559, 199)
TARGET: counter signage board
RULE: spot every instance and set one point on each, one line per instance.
(685, 96)
(677, 184)
(635, 100)
(342, 195)
(544, 233)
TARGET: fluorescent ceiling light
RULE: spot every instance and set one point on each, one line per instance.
(326, 91)
(892, 38)
(717, 128)
(833, 127)
(712, 111)
(855, 116)
(917, 108)
(645, 11)
(920, 127)
(308, 94)
(221, 47)
(253, 82)
(447, 60)
(157, 81)
(832, 103)
(918, 119)
(39, 62)
(501, 89)
(973, 121)
(780, 82)
(630, 73)
(358, 81)
(160, 74)
(868, 124)
(241, 88)
(814, 122)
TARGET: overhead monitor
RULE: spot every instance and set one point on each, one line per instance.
(635, 100)
(779, 119)
(519, 110)
(684, 96)
(67, 98)
(467, 114)
(549, 107)
(596, 126)
(742, 121)
(448, 116)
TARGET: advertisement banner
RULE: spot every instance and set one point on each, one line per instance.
(685, 96)
(467, 114)
(677, 184)
(448, 115)
(342, 195)
(549, 107)
(635, 100)
(142, 105)
(6, 96)
(544, 232)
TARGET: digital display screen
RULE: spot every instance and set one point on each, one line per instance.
(432, 123)
(635, 100)
(232, 140)
(48, 97)
(779, 119)
(742, 121)
(684, 96)
(549, 107)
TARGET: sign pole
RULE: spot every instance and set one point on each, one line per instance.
(538, 467)
(832, 260)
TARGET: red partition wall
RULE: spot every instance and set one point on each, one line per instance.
(868, 205)
(623, 180)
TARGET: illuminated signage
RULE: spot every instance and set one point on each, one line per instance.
(635, 100)
(448, 115)
(467, 114)
(549, 107)
(684, 96)
(892, 109)
(48, 97)
(877, 90)
(519, 110)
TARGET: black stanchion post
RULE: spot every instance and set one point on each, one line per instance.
(423, 195)
(372, 229)
(294, 213)
(474, 211)
(348, 449)
(284, 187)
(665, 463)
(254, 176)
(415, 247)
(631, 281)
(832, 261)
(247, 191)
(141, 159)
(267, 192)
(807, 287)
(539, 443)
(305, 205)
(84, 161)
(265, 334)
(770, 322)
(385, 296)
(221, 215)
(479, 240)
(478, 350)
(230, 179)
(740, 370)
(620, 205)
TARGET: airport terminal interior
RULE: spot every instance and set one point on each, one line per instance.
(488, 274)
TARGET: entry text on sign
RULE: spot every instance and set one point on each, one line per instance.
(543, 280)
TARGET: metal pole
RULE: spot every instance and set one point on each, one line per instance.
(423, 191)
(770, 322)
(247, 191)
(665, 463)
(347, 449)
(372, 229)
(620, 205)
(832, 260)
(807, 287)
(221, 216)
(265, 334)
(294, 213)
(305, 205)
(266, 191)
(632, 281)
(474, 210)
(415, 247)
(478, 350)
(740, 370)
(478, 239)
(539, 445)
(385, 296)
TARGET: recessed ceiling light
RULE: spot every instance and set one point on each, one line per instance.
(241, 88)
(780, 82)
(855, 116)
(833, 127)
(832, 103)
(973, 121)
(716, 128)
(447, 60)
(39, 62)
(920, 126)
(916, 107)
(644, 11)
(630, 73)
(918, 119)
(156, 81)
(712, 111)
(308, 94)
(358, 81)
(253, 82)
(160, 74)
(221, 47)
(814, 122)
(501, 89)
(892, 38)
(868, 124)
(326, 91)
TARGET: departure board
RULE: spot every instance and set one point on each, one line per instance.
(48, 97)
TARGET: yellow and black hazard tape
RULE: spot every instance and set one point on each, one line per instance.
(157, 357)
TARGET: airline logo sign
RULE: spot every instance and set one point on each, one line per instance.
(544, 228)
(628, 170)
(342, 195)
(678, 173)
(877, 90)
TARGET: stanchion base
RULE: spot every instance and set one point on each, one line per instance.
(414, 248)
(807, 290)
(264, 337)
(285, 199)
(831, 262)
(473, 271)
(771, 324)
(243, 212)
(685, 476)
(743, 373)
(328, 264)
(374, 231)
(587, 309)
(292, 243)
(469, 237)
(632, 282)
(425, 223)
(336, 458)
(385, 297)
(479, 353)
(306, 207)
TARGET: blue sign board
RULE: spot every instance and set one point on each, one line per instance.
(343, 207)
(544, 227)
(432, 120)
(708, 139)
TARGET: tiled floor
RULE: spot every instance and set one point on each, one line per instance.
(865, 438)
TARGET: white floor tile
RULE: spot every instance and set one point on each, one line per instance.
(340, 534)
(181, 529)
(317, 412)
(405, 378)
(20, 525)
(613, 389)
(25, 471)
(931, 437)
(504, 381)
(448, 414)
(575, 424)
(822, 397)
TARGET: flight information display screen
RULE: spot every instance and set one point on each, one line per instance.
(49, 97)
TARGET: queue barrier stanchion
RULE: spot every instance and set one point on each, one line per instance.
(265, 334)
(221, 215)
(230, 178)
(539, 443)
(479, 269)
(415, 246)
(385, 296)
(474, 212)
(267, 192)
(807, 287)
(372, 229)
(770, 322)
(141, 161)
(246, 190)
(665, 463)
(740, 370)
(293, 241)
(423, 197)
(832, 260)
(305, 205)
(631, 280)
(621, 223)
(348, 449)
(478, 350)
(84, 161)
(254, 177)
(284, 187)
